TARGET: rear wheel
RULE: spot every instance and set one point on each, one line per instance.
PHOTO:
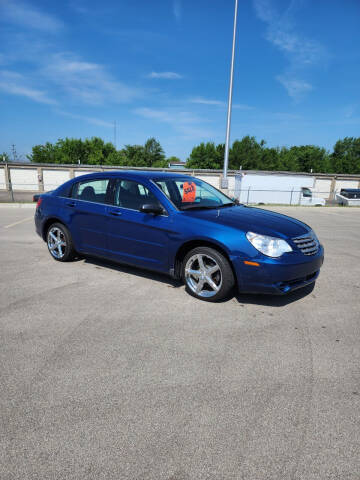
(207, 274)
(59, 243)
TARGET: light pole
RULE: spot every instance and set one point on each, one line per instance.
(224, 180)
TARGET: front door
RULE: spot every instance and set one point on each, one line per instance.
(135, 237)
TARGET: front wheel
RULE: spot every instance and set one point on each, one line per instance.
(59, 243)
(207, 274)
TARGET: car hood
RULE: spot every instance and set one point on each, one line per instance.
(254, 219)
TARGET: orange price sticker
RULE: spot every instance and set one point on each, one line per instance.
(189, 192)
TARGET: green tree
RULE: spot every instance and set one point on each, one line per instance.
(134, 155)
(310, 157)
(70, 151)
(269, 159)
(160, 164)
(96, 151)
(346, 156)
(153, 152)
(287, 160)
(206, 156)
(116, 158)
(246, 153)
(4, 157)
(47, 153)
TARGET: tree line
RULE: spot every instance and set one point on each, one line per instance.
(247, 153)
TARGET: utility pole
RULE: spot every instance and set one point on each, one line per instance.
(115, 133)
(13, 149)
(224, 180)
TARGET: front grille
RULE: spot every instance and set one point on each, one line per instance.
(308, 243)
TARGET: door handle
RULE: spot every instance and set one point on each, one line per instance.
(70, 204)
(116, 213)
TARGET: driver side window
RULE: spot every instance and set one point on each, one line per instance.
(132, 195)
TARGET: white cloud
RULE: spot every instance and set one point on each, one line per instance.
(296, 88)
(265, 11)
(79, 7)
(177, 9)
(165, 75)
(241, 106)
(92, 120)
(28, 16)
(86, 82)
(16, 84)
(219, 103)
(349, 110)
(197, 133)
(185, 123)
(173, 117)
(206, 101)
(301, 52)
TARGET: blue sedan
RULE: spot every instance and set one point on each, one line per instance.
(182, 226)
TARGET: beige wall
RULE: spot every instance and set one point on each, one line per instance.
(78, 173)
(2, 179)
(346, 184)
(322, 188)
(54, 178)
(24, 178)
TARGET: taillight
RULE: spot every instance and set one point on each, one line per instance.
(38, 202)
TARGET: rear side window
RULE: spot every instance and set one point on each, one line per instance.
(92, 190)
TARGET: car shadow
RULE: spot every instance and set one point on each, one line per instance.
(275, 300)
(244, 299)
(139, 272)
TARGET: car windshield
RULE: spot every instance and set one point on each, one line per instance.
(191, 193)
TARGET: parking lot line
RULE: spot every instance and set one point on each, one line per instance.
(17, 223)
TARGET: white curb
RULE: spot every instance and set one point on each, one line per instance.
(17, 205)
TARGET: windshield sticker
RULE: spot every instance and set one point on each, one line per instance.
(189, 192)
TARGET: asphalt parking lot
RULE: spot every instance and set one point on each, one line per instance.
(109, 372)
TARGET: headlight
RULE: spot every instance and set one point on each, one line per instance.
(270, 246)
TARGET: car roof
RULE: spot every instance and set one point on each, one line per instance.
(133, 174)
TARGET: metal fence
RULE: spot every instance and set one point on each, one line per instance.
(251, 196)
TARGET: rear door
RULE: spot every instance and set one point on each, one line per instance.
(88, 202)
(135, 237)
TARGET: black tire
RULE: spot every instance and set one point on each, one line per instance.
(68, 251)
(225, 283)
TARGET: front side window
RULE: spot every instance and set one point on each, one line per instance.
(190, 193)
(133, 195)
(91, 190)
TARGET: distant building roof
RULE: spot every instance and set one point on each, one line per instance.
(177, 166)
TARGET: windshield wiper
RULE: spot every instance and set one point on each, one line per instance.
(230, 204)
(198, 207)
(209, 207)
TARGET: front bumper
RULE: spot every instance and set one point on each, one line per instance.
(278, 276)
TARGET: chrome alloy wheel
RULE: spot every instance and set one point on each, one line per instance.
(203, 275)
(56, 242)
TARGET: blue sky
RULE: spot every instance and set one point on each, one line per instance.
(160, 68)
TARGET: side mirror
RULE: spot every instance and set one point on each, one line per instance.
(151, 208)
(235, 200)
